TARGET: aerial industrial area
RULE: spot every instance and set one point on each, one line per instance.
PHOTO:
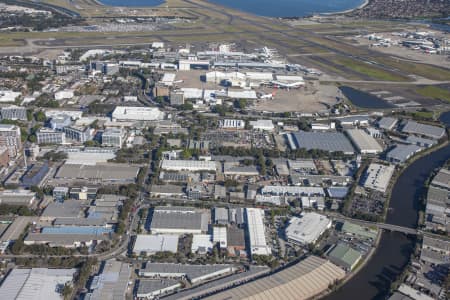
(191, 151)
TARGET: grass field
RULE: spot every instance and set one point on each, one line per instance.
(424, 70)
(370, 70)
(434, 92)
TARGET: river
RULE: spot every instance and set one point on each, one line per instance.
(268, 8)
(394, 250)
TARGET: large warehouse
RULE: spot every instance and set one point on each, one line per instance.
(152, 243)
(257, 232)
(378, 176)
(303, 280)
(178, 220)
(188, 165)
(36, 283)
(194, 273)
(136, 113)
(431, 131)
(108, 172)
(326, 141)
(363, 142)
(307, 229)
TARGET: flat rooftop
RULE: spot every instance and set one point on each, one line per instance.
(107, 171)
(304, 280)
(327, 141)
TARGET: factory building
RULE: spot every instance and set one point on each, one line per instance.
(231, 124)
(36, 283)
(363, 142)
(153, 289)
(302, 281)
(326, 141)
(194, 273)
(188, 165)
(151, 244)
(265, 125)
(17, 197)
(132, 113)
(9, 96)
(111, 282)
(378, 176)
(64, 94)
(178, 220)
(434, 132)
(344, 256)
(387, 123)
(256, 232)
(307, 229)
(402, 153)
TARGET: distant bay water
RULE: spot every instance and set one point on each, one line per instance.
(268, 8)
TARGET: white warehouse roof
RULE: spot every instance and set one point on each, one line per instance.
(155, 243)
(35, 284)
(137, 113)
(308, 228)
(256, 232)
(189, 165)
(378, 176)
(365, 143)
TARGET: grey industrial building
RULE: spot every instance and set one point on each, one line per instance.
(387, 123)
(402, 153)
(431, 131)
(326, 141)
(178, 220)
(101, 172)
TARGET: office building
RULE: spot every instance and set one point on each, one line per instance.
(113, 137)
(79, 134)
(13, 112)
(50, 136)
(10, 137)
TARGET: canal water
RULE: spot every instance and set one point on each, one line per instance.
(363, 99)
(394, 250)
